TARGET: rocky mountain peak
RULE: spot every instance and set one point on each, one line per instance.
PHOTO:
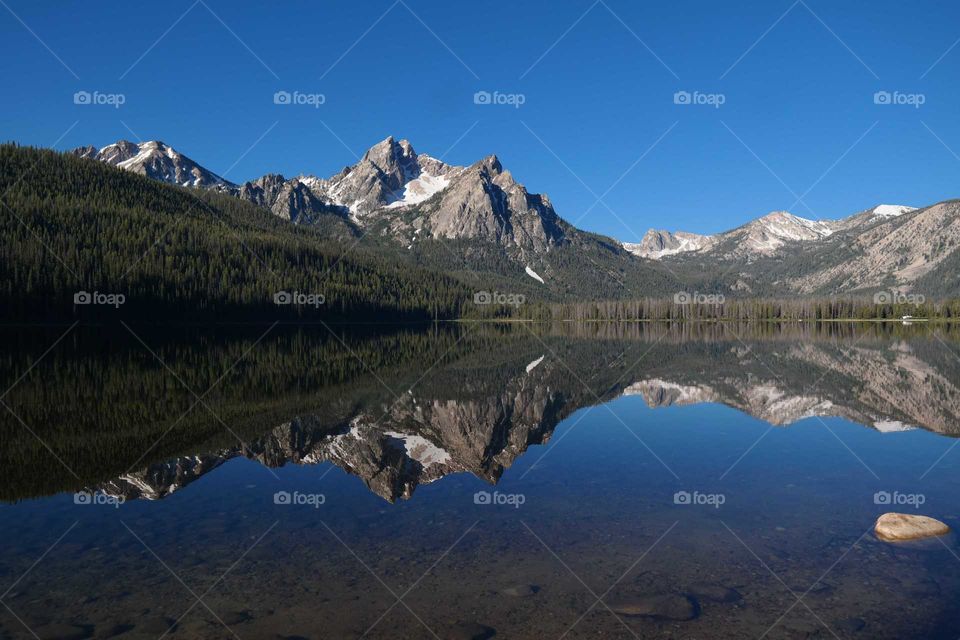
(88, 151)
(657, 243)
(264, 190)
(118, 152)
(491, 164)
(155, 159)
(390, 154)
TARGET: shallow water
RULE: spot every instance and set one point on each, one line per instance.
(445, 482)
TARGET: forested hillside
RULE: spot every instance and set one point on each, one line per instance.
(70, 225)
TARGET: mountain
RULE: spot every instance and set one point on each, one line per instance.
(478, 223)
(391, 181)
(900, 250)
(156, 160)
(764, 236)
(767, 235)
(659, 243)
(411, 196)
(893, 248)
(761, 237)
(292, 200)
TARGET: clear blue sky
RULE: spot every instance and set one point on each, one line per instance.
(800, 99)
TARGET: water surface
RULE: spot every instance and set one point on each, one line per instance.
(460, 481)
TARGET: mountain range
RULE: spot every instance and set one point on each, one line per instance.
(479, 218)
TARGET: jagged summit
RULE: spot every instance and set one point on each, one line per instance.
(155, 159)
(482, 201)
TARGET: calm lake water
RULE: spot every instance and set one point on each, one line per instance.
(461, 481)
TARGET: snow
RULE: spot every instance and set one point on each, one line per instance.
(679, 394)
(311, 182)
(891, 426)
(766, 234)
(141, 156)
(891, 210)
(686, 242)
(790, 227)
(336, 447)
(148, 151)
(533, 365)
(420, 189)
(533, 274)
(421, 449)
(686, 245)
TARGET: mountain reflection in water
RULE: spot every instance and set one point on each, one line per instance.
(376, 408)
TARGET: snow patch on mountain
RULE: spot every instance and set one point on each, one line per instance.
(420, 189)
(658, 243)
(421, 449)
(533, 274)
(533, 365)
(784, 225)
(891, 210)
(891, 426)
(657, 392)
(158, 161)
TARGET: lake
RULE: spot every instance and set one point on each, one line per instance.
(597, 480)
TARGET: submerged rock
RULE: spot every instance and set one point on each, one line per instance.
(157, 626)
(818, 587)
(235, 617)
(521, 590)
(713, 593)
(665, 606)
(471, 631)
(61, 631)
(851, 625)
(893, 527)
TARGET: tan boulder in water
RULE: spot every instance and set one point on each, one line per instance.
(894, 527)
